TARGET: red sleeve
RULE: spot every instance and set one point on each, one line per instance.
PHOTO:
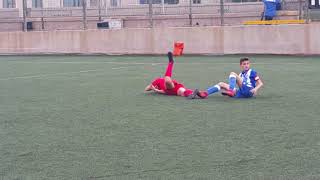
(159, 83)
(156, 82)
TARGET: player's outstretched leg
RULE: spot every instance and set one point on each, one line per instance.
(170, 57)
(193, 95)
(221, 86)
(186, 92)
(170, 65)
(211, 90)
(197, 93)
(167, 76)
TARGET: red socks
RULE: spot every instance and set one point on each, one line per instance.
(187, 92)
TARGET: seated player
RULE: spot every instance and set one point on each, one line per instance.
(248, 83)
(166, 85)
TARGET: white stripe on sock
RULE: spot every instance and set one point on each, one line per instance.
(232, 75)
(218, 87)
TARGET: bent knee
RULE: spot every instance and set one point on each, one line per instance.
(233, 73)
(181, 91)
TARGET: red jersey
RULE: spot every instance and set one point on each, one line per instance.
(159, 83)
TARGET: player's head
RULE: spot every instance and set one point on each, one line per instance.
(244, 64)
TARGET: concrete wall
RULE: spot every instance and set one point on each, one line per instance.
(9, 13)
(10, 20)
(269, 39)
(11, 26)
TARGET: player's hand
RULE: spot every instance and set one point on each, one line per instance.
(254, 91)
(156, 90)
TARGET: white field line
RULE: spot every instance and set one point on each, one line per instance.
(63, 73)
(114, 68)
(47, 75)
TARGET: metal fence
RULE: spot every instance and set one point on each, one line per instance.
(85, 14)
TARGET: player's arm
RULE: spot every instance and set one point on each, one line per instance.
(259, 84)
(159, 91)
(149, 87)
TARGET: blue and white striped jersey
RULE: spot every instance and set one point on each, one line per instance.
(249, 78)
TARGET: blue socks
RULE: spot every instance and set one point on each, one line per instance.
(216, 88)
(213, 89)
(232, 81)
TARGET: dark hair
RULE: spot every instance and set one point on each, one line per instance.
(243, 60)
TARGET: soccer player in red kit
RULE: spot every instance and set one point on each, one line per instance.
(169, 86)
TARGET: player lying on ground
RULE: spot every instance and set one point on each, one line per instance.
(248, 83)
(168, 86)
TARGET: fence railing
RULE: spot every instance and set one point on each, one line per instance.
(84, 14)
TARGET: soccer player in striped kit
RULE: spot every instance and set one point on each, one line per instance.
(248, 82)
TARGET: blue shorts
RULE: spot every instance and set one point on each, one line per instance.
(244, 92)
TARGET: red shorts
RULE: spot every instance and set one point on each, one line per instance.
(174, 91)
